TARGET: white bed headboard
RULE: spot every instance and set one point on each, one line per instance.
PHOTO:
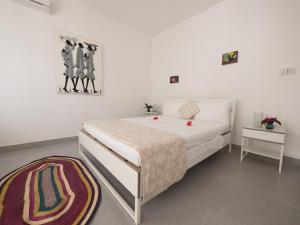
(174, 104)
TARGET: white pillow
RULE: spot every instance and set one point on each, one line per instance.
(214, 111)
(170, 107)
(189, 109)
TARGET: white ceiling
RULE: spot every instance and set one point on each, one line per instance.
(151, 16)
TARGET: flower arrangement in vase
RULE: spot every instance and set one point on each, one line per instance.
(148, 107)
(269, 122)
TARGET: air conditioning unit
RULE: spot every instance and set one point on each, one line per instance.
(42, 5)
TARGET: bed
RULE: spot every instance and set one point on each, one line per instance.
(119, 165)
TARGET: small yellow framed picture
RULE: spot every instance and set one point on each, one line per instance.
(230, 57)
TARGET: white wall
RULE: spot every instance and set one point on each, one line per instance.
(30, 108)
(267, 35)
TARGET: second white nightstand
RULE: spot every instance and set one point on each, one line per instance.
(276, 136)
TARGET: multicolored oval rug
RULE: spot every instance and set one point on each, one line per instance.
(56, 190)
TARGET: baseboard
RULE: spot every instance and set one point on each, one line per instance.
(36, 144)
(286, 159)
(292, 161)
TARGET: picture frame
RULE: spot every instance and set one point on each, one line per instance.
(78, 63)
(230, 58)
(174, 79)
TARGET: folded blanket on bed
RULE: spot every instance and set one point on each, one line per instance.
(163, 155)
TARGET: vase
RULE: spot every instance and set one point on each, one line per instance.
(270, 126)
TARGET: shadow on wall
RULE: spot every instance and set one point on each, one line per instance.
(56, 6)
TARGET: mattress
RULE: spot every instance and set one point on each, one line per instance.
(195, 136)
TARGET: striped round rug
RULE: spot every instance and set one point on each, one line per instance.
(56, 190)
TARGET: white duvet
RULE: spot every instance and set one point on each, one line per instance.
(197, 134)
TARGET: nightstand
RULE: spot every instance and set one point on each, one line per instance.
(275, 136)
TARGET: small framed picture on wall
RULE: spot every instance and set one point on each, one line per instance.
(230, 57)
(174, 79)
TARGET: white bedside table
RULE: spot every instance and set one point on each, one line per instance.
(276, 136)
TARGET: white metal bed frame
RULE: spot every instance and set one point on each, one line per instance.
(129, 175)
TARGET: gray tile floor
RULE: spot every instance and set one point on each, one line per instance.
(218, 191)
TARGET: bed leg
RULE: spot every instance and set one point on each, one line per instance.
(137, 211)
(230, 143)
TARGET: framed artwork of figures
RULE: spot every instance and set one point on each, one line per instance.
(78, 63)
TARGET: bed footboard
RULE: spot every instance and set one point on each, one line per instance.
(105, 163)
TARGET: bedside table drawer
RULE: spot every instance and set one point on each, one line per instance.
(263, 135)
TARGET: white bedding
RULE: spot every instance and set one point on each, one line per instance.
(196, 135)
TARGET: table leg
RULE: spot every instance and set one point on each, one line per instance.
(242, 149)
(281, 158)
